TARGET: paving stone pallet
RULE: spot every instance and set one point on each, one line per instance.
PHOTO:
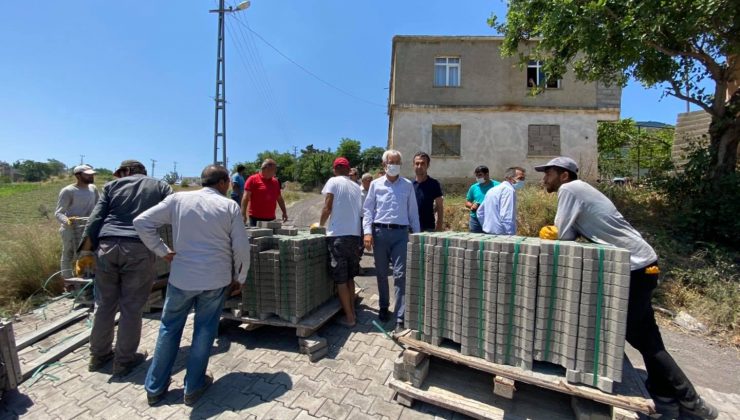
(288, 274)
(515, 300)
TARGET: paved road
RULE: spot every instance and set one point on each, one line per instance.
(305, 212)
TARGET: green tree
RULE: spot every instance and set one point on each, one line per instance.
(677, 44)
(286, 170)
(371, 159)
(314, 166)
(32, 171)
(350, 149)
(626, 150)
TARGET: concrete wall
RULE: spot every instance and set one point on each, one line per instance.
(690, 127)
(486, 78)
(494, 138)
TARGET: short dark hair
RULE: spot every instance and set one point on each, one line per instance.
(423, 155)
(482, 169)
(213, 174)
(572, 176)
(240, 167)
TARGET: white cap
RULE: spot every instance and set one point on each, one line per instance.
(84, 169)
(561, 162)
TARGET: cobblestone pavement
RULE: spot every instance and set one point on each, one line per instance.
(258, 374)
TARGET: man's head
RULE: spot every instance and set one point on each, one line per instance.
(367, 178)
(558, 171)
(481, 173)
(354, 174)
(341, 166)
(84, 174)
(130, 167)
(269, 168)
(515, 174)
(240, 169)
(421, 164)
(392, 163)
(217, 177)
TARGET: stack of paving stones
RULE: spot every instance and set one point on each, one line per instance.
(515, 300)
(314, 346)
(288, 273)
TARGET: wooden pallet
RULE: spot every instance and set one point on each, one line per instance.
(630, 396)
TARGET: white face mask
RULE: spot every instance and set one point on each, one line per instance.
(480, 180)
(518, 185)
(393, 170)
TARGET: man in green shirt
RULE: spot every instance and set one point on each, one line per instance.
(476, 194)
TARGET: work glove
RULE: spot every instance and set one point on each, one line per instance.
(314, 225)
(71, 220)
(549, 232)
(85, 265)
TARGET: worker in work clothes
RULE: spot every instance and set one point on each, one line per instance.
(124, 267)
(342, 205)
(583, 210)
(210, 258)
(390, 212)
(75, 203)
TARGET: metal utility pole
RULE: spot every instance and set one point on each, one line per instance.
(175, 169)
(219, 124)
(82, 158)
(153, 163)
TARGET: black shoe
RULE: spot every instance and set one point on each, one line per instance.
(123, 369)
(154, 399)
(193, 397)
(665, 408)
(383, 315)
(699, 408)
(96, 363)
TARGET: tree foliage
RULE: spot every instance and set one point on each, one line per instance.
(371, 159)
(678, 44)
(626, 149)
(33, 171)
(350, 149)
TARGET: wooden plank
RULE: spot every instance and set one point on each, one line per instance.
(40, 334)
(58, 352)
(543, 380)
(458, 404)
(10, 360)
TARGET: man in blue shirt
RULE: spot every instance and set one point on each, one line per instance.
(429, 196)
(389, 213)
(476, 194)
(237, 184)
(497, 212)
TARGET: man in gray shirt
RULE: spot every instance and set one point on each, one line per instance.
(124, 266)
(75, 203)
(210, 258)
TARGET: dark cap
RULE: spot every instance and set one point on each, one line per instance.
(560, 162)
(128, 163)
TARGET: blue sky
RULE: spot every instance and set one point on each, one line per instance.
(135, 79)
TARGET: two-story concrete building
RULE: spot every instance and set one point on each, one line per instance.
(458, 99)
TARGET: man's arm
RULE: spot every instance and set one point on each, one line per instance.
(95, 222)
(439, 208)
(239, 247)
(469, 199)
(368, 211)
(413, 210)
(245, 205)
(147, 223)
(281, 203)
(328, 206)
(506, 212)
(565, 218)
(63, 203)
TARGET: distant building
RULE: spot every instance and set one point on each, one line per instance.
(6, 170)
(458, 99)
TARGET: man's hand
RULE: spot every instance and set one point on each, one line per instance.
(474, 207)
(85, 265)
(235, 288)
(169, 257)
(71, 220)
(285, 216)
(368, 240)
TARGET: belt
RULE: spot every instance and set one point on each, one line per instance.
(390, 226)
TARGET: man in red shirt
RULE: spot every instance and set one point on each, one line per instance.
(261, 193)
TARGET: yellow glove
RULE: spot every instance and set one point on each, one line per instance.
(314, 225)
(71, 220)
(549, 232)
(85, 265)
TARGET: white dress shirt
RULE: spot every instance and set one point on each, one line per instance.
(390, 203)
(497, 212)
(210, 241)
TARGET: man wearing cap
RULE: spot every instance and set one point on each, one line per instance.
(124, 270)
(389, 213)
(476, 194)
(342, 203)
(497, 212)
(262, 194)
(583, 210)
(75, 203)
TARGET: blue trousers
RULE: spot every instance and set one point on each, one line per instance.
(389, 246)
(208, 305)
(474, 226)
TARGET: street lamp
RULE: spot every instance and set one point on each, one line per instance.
(219, 129)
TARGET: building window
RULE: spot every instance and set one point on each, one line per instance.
(543, 140)
(536, 76)
(447, 71)
(446, 140)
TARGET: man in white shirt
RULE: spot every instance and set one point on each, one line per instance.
(75, 203)
(209, 260)
(583, 210)
(389, 213)
(342, 203)
(497, 212)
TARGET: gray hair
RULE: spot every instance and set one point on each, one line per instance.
(213, 174)
(391, 152)
(367, 175)
(268, 162)
(511, 172)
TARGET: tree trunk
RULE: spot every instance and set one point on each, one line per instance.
(724, 137)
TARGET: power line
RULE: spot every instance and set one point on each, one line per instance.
(305, 69)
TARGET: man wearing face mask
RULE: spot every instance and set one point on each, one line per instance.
(389, 213)
(476, 194)
(497, 212)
